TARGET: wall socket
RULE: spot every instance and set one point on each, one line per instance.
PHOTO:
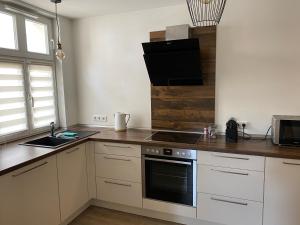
(240, 123)
(100, 118)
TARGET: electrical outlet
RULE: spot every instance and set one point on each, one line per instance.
(240, 123)
(99, 118)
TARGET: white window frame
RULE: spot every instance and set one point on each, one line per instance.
(25, 58)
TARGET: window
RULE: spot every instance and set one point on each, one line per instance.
(37, 37)
(7, 31)
(42, 92)
(27, 75)
(12, 99)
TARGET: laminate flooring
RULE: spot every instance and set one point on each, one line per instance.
(100, 216)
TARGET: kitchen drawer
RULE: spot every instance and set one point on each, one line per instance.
(247, 162)
(118, 149)
(118, 167)
(244, 184)
(229, 211)
(121, 192)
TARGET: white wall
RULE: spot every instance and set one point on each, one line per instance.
(258, 62)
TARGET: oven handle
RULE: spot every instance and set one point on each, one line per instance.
(168, 161)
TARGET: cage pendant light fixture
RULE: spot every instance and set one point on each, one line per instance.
(59, 53)
(206, 12)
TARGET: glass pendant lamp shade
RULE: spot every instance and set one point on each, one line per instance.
(60, 55)
(206, 12)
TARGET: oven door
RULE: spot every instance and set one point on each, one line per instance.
(170, 179)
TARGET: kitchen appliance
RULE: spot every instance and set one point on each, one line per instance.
(121, 121)
(232, 131)
(169, 174)
(178, 137)
(286, 130)
(174, 62)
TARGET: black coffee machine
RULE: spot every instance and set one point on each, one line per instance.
(232, 131)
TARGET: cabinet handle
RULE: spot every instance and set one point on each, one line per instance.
(111, 158)
(120, 184)
(73, 150)
(292, 164)
(228, 201)
(230, 157)
(236, 173)
(28, 170)
(116, 146)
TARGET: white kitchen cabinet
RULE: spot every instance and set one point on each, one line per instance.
(244, 184)
(29, 196)
(229, 211)
(120, 192)
(118, 167)
(119, 173)
(282, 192)
(72, 177)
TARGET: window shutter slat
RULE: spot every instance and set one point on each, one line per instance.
(12, 99)
(42, 91)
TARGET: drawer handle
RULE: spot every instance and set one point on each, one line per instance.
(230, 157)
(26, 171)
(236, 173)
(292, 164)
(73, 150)
(116, 146)
(126, 160)
(228, 201)
(115, 183)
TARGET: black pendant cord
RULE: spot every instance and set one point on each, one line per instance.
(57, 24)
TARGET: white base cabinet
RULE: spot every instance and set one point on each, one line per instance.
(282, 192)
(29, 196)
(72, 177)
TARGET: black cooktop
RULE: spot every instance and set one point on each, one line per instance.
(179, 137)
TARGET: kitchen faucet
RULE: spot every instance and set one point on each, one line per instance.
(52, 127)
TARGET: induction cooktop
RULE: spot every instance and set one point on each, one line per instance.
(178, 137)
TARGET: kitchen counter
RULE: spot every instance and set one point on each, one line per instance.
(14, 156)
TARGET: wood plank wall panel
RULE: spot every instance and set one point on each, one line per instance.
(188, 108)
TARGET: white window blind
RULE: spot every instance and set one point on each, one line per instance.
(43, 97)
(12, 99)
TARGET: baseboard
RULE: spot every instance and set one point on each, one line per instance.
(77, 213)
(149, 213)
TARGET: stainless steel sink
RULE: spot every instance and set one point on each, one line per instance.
(48, 142)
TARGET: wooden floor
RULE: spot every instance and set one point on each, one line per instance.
(100, 216)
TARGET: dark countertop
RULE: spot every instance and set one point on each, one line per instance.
(14, 156)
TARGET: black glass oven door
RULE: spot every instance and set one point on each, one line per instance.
(169, 179)
(289, 132)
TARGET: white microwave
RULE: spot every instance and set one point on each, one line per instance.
(286, 130)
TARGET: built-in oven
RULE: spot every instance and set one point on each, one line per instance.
(169, 174)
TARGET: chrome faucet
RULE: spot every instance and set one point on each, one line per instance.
(52, 127)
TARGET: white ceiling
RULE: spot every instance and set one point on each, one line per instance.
(87, 8)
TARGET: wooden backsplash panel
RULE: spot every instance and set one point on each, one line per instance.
(188, 107)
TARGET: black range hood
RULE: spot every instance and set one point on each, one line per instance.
(173, 63)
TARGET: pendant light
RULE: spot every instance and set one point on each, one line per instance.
(59, 53)
(206, 12)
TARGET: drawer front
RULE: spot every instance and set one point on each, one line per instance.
(229, 211)
(121, 192)
(118, 149)
(244, 184)
(236, 161)
(118, 167)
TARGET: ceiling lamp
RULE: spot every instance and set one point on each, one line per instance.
(206, 12)
(60, 55)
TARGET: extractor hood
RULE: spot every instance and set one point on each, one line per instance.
(174, 62)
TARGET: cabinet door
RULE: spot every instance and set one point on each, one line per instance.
(282, 192)
(72, 177)
(30, 195)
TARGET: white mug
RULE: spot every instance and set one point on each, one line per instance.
(120, 121)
